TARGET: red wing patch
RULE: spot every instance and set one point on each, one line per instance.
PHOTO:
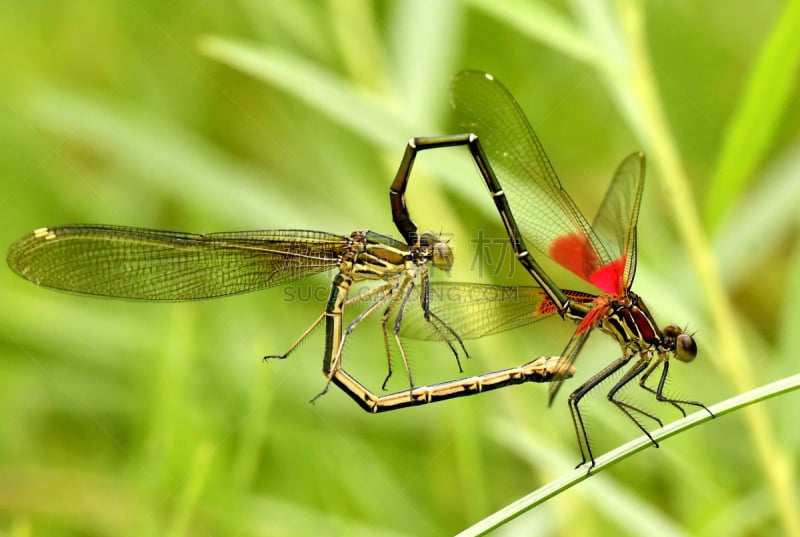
(609, 277)
(576, 254)
(546, 307)
(580, 297)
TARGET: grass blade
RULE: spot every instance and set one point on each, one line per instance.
(770, 87)
(624, 451)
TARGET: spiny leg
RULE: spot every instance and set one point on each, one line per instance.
(316, 323)
(333, 361)
(575, 399)
(662, 361)
(627, 408)
(297, 343)
(398, 321)
(388, 294)
(659, 391)
(441, 326)
(397, 291)
(444, 332)
(436, 323)
(433, 319)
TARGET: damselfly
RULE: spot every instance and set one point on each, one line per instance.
(142, 264)
(603, 253)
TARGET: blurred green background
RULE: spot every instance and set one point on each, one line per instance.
(142, 419)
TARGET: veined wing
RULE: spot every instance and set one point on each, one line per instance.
(144, 264)
(473, 310)
(547, 216)
(568, 357)
(616, 219)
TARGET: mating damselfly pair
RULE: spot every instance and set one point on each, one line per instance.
(141, 264)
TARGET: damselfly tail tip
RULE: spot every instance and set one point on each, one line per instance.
(557, 368)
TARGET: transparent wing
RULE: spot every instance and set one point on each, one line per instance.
(568, 357)
(143, 264)
(616, 219)
(473, 310)
(547, 216)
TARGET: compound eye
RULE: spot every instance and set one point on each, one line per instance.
(442, 256)
(685, 348)
(440, 252)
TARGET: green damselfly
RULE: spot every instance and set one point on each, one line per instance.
(151, 265)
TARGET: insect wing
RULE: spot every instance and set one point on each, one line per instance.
(568, 357)
(547, 216)
(473, 310)
(615, 224)
(143, 264)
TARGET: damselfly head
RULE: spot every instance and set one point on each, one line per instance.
(440, 253)
(681, 343)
